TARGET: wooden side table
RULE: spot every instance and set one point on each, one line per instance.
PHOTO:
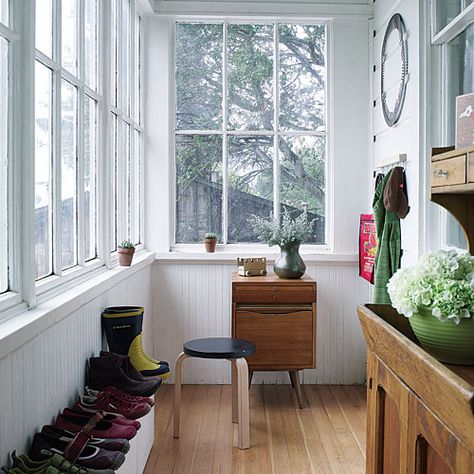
(279, 316)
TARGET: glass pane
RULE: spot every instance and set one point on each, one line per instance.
(3, 165)
(135, 182)
(113, 187)
(90, 46)
(250, 77)
(90, 177)
(43, 166)
(250, 177)
(198, 76)
(446, 11)
(136, 70)
(69, 34)
(125, 56)
(198, 187)
(302, 77)
(44, 26)
(4, 11)
(68, 174)
(114, 60)
(126, 230)
(302, 180)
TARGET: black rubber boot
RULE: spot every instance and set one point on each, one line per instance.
(123, 330)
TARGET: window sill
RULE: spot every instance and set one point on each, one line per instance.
(24, 325)
(219, 257)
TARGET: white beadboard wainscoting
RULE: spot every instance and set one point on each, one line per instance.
(193, 300)
(46, 373)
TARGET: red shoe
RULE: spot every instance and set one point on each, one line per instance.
(121, 394)
(108, 403)
(117, 419)
(103, 429)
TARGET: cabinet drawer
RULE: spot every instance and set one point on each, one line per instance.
(274, 293)
(283, 335)
(449, 172)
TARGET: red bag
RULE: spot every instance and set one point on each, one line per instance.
(367, 247)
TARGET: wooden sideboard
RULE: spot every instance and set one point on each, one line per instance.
(420, 412)
(279, 316)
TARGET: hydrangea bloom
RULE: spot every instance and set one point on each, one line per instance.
(442, 281)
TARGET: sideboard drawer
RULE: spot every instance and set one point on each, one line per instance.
(283, 335)
(279, 293)
(449, 172)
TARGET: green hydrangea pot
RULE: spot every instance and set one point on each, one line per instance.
(446, 341)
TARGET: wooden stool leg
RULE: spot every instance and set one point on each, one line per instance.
(243, 409)
(177, 392)
(235, 392)
(295, 382)
(250, 377)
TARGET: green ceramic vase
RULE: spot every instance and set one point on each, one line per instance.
(289, 263)
(448, 342)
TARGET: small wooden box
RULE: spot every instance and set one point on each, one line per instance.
(253, 266)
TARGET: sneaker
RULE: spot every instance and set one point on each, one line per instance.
(117, 419)
(120, 394)
(55, 463)
(110, 404)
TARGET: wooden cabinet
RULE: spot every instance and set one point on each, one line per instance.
(279, 316)
(420, 412)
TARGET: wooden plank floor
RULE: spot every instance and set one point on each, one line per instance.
(326, 437)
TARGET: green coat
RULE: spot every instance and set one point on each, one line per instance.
(387, 258)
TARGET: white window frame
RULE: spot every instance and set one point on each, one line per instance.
(440, 66)
(276, 133)
(24, 291)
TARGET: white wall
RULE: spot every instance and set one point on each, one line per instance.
(405, 136)
(46, 374)
(194, 301)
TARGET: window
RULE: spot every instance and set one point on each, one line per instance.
(250, 126)
(455, 42)
(126, 129)
(4, 145)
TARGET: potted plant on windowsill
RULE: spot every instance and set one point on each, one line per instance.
(125, 252)
(210, 241)
(289, 235)
(437, 295)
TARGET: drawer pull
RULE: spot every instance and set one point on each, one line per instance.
(441, 173)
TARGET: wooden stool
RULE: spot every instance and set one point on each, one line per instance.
(234, 350)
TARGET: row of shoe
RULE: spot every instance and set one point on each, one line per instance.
(93, 436)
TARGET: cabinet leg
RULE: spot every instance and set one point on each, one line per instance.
(295, 382)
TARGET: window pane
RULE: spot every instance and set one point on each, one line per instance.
(302, 179)
(68, 174)
(90, 177)
(114, 60)
(4, 12)
(3, 165)
(135, 183)
(250, 77)
(44, 26)
(90, 46)
(250, 177)
(198, 187)
(446, 11)
(125, 56)
(136, 69)
(69, 34)
(114, 184)
(302, 77)
(198, 76)
(126, 230)
(43, 166)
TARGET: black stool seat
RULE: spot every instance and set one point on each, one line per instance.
(219, 348)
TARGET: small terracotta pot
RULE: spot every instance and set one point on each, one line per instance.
(210, 245)
(125, 256)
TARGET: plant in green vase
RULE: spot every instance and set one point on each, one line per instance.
(289, 235)
(437, 295)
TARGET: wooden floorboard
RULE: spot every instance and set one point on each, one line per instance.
(325, 437)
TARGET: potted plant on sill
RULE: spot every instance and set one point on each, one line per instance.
(437, 295)
(289, 235)
(210, 241)
(125, 252)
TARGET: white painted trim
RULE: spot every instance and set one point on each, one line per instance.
(26, 325)
(455, 27)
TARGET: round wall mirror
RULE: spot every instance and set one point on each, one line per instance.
(394, 69)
